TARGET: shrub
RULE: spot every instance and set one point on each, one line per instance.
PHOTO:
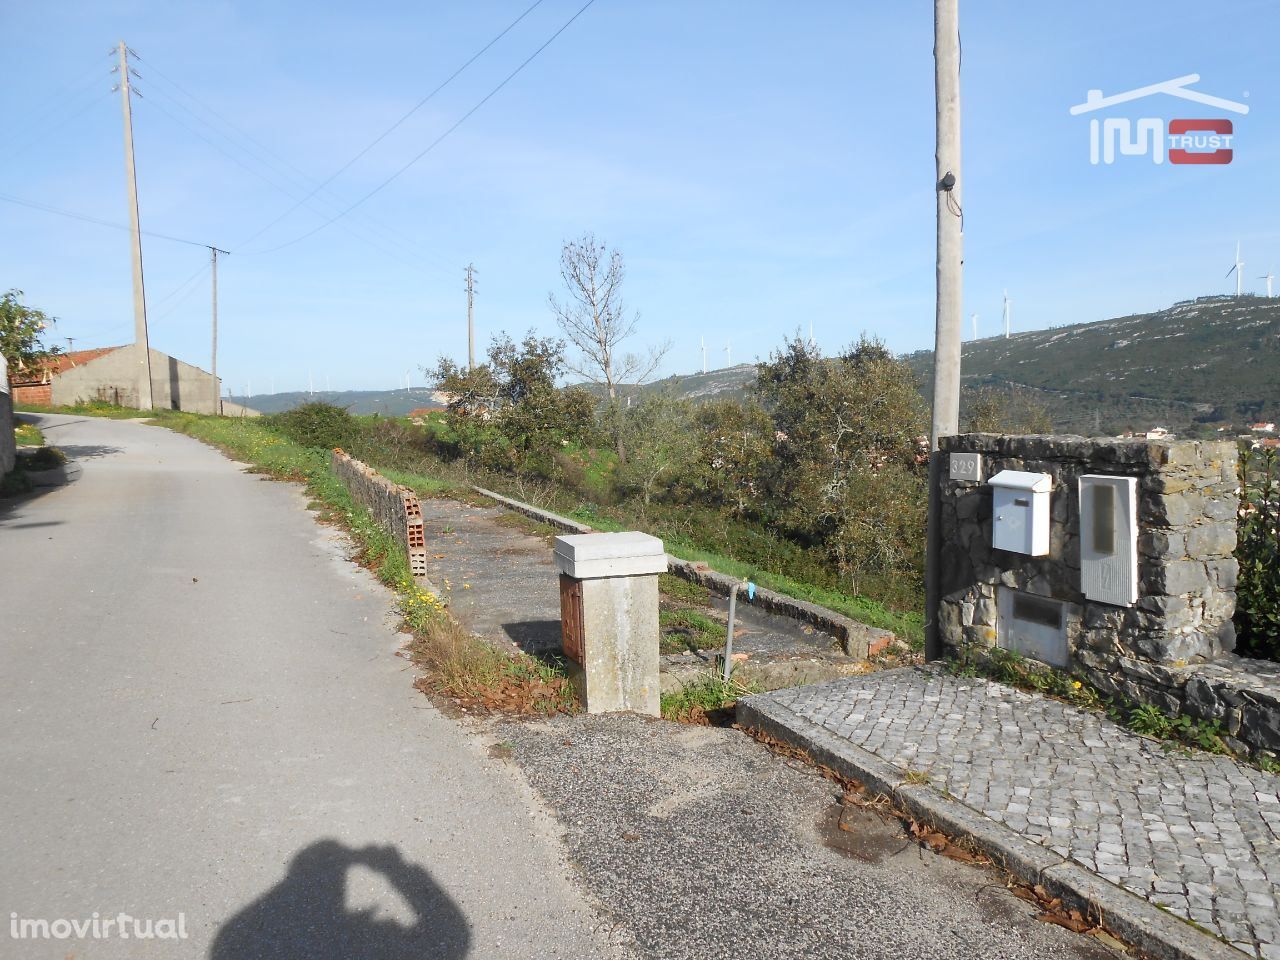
(1258, 552)
(319, 425)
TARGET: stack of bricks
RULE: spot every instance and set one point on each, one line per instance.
(394, 508)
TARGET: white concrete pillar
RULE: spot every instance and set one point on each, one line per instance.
(609, 617)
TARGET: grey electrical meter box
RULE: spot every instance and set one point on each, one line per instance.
(1020, 512)
(1109, 539)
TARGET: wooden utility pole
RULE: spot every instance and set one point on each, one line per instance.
(471, 323)
(217, 384)
(950, 266)
(142, 344)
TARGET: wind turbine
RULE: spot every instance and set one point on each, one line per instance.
(974, 319)
(728, 353)
(1268, 277)
(1238, 270)
(702, 341)
(1007, 312)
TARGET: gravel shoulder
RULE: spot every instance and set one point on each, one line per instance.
(700, 843)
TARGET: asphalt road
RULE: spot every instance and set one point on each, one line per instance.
(203, 716)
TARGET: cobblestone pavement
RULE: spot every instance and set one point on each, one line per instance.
(1195, 833)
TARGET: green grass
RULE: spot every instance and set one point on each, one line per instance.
(28, 435)
(688, 630)
(681, 590)
(93, 409)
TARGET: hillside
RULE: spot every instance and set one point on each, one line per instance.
(1209, 361)
(1192, 367)
(391, 403)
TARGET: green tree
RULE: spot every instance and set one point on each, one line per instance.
(508, 412)
(661, 444)
(848, 472)
(22, 331)
(736, 443)
(992, 409)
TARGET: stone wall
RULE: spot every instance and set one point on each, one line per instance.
(1172, 646)
(394, 508)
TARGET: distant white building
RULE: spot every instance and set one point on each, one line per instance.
(1158, 433)
(1266, 427)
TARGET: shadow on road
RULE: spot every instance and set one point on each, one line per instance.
(306, 915)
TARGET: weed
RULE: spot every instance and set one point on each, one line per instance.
(917, 777)
(1149, 721)
(699, 700)
(42, 458)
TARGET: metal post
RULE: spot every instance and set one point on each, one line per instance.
(141, 342)
(728, 640)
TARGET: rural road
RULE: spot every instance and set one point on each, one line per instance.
(203, 716)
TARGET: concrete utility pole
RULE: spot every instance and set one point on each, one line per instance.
(471, 323)
(946, 356)
(950, 266)
(141, 342)
(213, 252)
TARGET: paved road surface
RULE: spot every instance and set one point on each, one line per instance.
(203, 715)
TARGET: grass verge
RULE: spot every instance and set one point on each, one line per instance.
(458, 665)
(28, 435)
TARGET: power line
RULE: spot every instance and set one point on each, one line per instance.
(440, 139)
(273, 177)
(93, 75)
(391, 129)
(276, 164)
(204, 268)
(88, 219)
(38, 136)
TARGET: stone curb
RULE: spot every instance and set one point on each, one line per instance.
(858, 640)
(1132, 918)
(535, 513)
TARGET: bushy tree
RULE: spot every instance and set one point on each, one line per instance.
(22, 332)
(848, 472)
(736, 441)
(508, 412)
(992, 409)
(661, 443)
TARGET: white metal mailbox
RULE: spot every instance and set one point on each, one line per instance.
(1020, 511)
(1109, 539)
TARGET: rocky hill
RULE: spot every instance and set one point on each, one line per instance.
(1201, 363)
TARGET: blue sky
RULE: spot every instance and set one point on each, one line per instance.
(762, 166)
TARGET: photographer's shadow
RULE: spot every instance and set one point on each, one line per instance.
(305, 915)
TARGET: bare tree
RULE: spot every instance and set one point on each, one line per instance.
(595, 320)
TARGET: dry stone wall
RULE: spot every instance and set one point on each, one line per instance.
(1173, 646)
(393, 507)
